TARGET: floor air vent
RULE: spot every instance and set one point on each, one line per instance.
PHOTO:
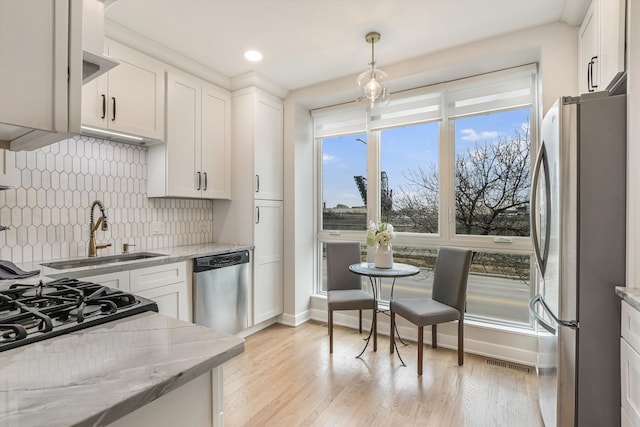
(508, 365)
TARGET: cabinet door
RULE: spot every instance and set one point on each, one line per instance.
(94, 102)
(184, 175)
(612, 34)
(135, 101)
(268, 148)
(630, 381)
(171, 301)
(589, 44)
(267, 261)
(34, 64)
(216, 143)
(167, 286)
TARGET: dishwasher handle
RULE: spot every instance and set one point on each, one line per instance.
(220, 261)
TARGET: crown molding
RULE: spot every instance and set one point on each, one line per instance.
(254, 79)
(137, 41)
(574, 11)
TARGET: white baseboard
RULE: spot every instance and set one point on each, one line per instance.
(294, 320)
(256, 328)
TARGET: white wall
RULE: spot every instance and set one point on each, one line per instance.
(553, 46)
(633, 144)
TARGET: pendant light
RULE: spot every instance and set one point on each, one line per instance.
(373, 87)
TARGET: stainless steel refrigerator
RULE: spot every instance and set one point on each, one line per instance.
(578, 210)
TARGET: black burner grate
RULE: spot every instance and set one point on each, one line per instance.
(30, 313)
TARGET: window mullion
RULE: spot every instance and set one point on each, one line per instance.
(373, 176)
(447, 174)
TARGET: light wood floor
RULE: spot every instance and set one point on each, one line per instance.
(286, 377)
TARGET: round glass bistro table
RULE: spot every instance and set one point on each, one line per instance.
(375, 276)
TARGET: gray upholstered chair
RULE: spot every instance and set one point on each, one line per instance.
(445, 305)
(344, 288)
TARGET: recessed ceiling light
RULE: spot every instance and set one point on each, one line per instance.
(253, 56)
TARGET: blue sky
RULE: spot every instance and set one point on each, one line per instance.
(404, 149)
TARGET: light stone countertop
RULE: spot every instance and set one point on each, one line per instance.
(169, 255)
(97, 375)
(630, 295)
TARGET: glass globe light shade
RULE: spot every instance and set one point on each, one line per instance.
(373, 88)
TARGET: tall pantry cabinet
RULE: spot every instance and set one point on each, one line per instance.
(254, 213)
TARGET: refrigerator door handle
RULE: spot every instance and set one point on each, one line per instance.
(532, 309)
(542, 162)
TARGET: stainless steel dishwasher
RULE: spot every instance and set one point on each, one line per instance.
(221, 296)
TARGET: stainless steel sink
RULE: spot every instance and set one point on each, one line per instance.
(109, 259)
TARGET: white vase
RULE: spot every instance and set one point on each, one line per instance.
(383, 257)
(371, 252)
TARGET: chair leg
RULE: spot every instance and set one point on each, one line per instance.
(375, 330)
(360, 321)
(460, 342)
(420, 348)
(392, 338)
(434, 336)
(330, 324)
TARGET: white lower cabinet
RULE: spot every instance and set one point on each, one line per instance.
(168, 285)
(267, 260)
(630, 366)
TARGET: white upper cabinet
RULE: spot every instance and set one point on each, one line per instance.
(268, 148)
(257, 130)
(602, 45)
(195, 161)
(128, 99)
(216, 142)
(40, 71)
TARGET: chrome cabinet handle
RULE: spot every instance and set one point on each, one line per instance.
(591, 86)
(104, 106)
(205, 181)
(199, 181)
(113, 116)
(257, 214)
(257, 183)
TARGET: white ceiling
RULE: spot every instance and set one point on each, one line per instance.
(310, 41)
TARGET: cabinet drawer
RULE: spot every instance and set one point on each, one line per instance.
(630, 327)
(154, 277)
(118, 280)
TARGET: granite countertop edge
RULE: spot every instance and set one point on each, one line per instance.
(630, 295)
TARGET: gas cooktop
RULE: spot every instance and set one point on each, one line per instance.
(30, 313)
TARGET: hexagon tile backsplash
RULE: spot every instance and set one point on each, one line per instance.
(48, 211)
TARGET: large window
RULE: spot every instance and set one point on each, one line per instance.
(447, 165)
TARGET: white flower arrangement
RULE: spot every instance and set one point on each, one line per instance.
(381, 233)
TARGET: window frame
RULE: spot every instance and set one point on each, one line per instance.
(446, 235)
